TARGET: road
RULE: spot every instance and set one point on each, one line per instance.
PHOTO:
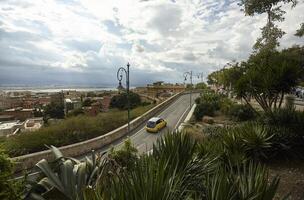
(174, 115)
(142, 140)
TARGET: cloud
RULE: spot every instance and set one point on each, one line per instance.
(86, 41)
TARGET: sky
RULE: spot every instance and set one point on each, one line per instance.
(84, 42)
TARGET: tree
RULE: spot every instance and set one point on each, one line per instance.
(268, 81)
(300, 32)
(201, 85)
(270, 32)
(87, 102)
(75, 112)
(121, 100)
(54, 110)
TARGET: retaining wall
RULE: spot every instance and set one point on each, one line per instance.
(28, 161)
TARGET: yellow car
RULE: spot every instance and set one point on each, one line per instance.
(155, 124)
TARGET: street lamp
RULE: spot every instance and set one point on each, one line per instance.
(120, 73)
(190, 75)
(201, 75)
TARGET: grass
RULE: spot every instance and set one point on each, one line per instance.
(69, 131)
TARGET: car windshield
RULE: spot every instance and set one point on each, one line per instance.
(150, 124)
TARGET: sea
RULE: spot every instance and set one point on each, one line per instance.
(53, 89)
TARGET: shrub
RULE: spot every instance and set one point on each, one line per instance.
(9, 189)
(287, 125)
(69, 131)
(65, 178)
(235, 145)
(54, 110)
(241, 112)
(225, 105)
(203, 109)
(126, 156)
(121, 101)
(212, 99)
(75, 112)
(287, 118)
(174, 171)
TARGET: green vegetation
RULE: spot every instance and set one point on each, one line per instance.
(87, 102)
(201, 86)
(209, 103)
(9, 189)
(178, 168)
(54, 110)
(69, 131)
(241, 112)
(126, 156)
(75, 112)
(300, 32)
(120, 101)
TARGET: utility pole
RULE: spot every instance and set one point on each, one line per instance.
(191, 76)
(120, 72)
(201, 75)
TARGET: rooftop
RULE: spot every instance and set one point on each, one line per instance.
(154, 119)
(8, 125)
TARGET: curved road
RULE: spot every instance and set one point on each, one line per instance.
(173, 114)
(140, 138)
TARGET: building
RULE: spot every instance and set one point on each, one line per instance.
(19, 113)
(71, 105)
(9, 128)
(93, 110)
(105, 103)
(71, 94)
(57, 98)
(4, 118)
(160, 88)
(33, 124)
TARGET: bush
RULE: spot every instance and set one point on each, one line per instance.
(211, 98)
(174, 171)
(241, 112)
(226, 105)
(75, 112)
(203, 109)
(69, 131)
(9, 190)
(54, 110)
(286, 118)
(121, 101)
(210, 102)
(235, 145)
(126, 156)
(287, 125)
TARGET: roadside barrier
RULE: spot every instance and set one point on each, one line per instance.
(81, 148)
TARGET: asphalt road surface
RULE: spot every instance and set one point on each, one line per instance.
(140, 138)
(174, 115)
(143, 140)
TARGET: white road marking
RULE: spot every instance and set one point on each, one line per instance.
(181, 118)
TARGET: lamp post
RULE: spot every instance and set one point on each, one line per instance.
(201, 75)
(190, 74)
(120, 73)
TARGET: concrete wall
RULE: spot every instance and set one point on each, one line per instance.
(28, 161)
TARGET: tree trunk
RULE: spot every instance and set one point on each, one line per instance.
(281, 99)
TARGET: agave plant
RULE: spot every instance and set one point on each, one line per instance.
(257, 140)
(65, 177)
(244, 181)
(177, 148)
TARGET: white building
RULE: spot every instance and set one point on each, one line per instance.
(11, 127)
(33, 124)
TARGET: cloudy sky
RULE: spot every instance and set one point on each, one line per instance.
(85, 41)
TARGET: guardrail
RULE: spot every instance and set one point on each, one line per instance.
(77, 149)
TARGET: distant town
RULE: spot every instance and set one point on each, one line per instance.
(23, 111)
